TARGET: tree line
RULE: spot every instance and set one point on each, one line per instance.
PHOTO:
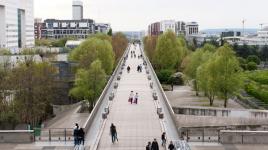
(214, 71)
(28, 89)
(97, 58)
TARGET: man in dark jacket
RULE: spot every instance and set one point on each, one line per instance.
(155, 145)
(81, 135)
(171, 146)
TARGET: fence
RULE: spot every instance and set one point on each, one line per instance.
(54, 134)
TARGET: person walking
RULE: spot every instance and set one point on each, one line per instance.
(113, 133)
(136, 98)
(81, 135)
(148, 146)
(76, 134)
(155, 145)
(164, 139)
(131, 97)
(128, 69)
(171, 146)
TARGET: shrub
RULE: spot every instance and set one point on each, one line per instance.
(164, 76)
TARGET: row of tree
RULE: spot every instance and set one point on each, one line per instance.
(25, 93)
(97, 57)
(214, 70)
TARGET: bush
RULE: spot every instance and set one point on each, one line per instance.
(252, 66)
(164, 76)
(254, 58)
(255, 91)
(259, 76)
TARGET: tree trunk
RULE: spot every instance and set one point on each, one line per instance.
(225, 102)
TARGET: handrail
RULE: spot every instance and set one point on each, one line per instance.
(161, 89)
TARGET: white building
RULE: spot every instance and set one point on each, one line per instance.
(77, 10)
(166, 25)
(191, 28)
(180, 28)
(102, 27)
(16, 24)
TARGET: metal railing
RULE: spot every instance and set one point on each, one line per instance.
(53, 134)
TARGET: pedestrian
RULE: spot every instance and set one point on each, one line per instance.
(155, 145)
(128, 69)
(81, 135)
(148, 146)
(171, 146)
(136, 98)
(140, 68)
(131, 97)
(76, 134)
(164, 139)
(113, 133)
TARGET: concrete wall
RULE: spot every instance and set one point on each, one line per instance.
(222, 112)
(209, 121)
(243, 137)
(16, 136)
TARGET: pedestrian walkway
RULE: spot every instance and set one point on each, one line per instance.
(136, 123)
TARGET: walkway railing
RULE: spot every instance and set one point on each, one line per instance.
(53, 134)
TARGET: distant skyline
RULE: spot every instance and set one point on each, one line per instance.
(125, 15)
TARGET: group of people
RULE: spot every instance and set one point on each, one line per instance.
(79, 135)
(133, 98)
(133, 54)
(113, 133)
(154, 145)
(139, 68)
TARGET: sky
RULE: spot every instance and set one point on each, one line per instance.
(135, 15)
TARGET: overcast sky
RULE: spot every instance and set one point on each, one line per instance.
(129, 15)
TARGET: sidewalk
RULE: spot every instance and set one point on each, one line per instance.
(136, 124)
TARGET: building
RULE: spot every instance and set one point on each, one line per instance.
(134, 35)
(77, 10)
(16, 24)
(102, 27)
(154, 29)
(37, 28)
(166, 25)
(180, 28)
(191, 28)
(259, 39)
(57, 29)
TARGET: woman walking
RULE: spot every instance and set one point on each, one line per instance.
(130, 99)
(136, 98)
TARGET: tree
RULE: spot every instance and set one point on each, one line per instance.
(227, 72)
(251, 66)
(253, 58)
(196, 59)
(101, 36)
(110, 32)
(150, 46)
(264, 53)
(89, 83)
(206, 79)
(91, 50)
(119, 43)
(33, 85)
(168, 53)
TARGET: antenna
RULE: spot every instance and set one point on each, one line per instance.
(243, 22)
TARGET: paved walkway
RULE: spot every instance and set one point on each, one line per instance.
(136, 123)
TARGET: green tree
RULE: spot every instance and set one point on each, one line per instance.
(254, 58)
(252, 66)
(33, 85)
(227, 72)
(206, 79)
(91, 50)
(168, 53)
(110, 32)
(89, 83)
(101, 36)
